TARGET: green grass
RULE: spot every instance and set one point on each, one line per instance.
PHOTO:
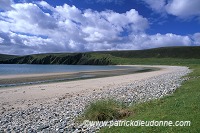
(183, 105)
(103, 110)
(155, 61)
(183, 52)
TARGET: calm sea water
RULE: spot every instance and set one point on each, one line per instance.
(12, 69)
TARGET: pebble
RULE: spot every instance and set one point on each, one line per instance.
(60, 115)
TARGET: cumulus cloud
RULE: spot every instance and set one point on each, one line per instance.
(196, 38)
(27, 17)
(66, 28)
(179, 8)
(108, 25)
(145, 41)
(31, 28)
(160, 40)
(184, 8)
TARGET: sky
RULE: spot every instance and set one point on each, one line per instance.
(52, 26)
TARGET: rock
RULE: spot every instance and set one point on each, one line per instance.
(42, 127)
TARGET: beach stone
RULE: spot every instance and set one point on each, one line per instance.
(60, 115)
(61, 130)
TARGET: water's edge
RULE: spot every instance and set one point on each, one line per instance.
(75, 76)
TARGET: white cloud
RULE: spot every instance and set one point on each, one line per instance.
(67, 28)
(184, 8)
(27, 18)
(196, 38)
(144, 41)
(44, 4)
(39, 28)
(179, 8)
(108, 25)
(158, 40)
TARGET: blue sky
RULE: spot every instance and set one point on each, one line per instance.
(32, 27)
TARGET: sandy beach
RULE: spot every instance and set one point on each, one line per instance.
(54, 107)
(14, 98)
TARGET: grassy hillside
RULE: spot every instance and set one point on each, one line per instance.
(64, 58)
(165, 52)
(109, 57)
(6, 57)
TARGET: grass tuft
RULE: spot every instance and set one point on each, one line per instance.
(105, 110)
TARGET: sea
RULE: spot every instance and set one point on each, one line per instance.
(14, 69)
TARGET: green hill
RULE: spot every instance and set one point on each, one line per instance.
(64, 58)
(104, 57)
(6, 57)
(164, 52)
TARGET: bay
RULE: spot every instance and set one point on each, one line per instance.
(14, 69)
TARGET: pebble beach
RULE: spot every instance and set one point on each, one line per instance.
(56, 112)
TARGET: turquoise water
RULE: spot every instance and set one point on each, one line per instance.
(13, 69)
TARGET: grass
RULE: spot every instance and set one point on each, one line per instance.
(105, 110)
(162, 52)
(183, 105)
(155, 61)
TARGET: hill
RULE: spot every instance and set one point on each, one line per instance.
(64, 58)
(164, 52)
(104, 57)
(6, 57)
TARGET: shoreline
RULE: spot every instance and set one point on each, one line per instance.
(123, 67)
(31, 79)
(16, 97)
(38, 104)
